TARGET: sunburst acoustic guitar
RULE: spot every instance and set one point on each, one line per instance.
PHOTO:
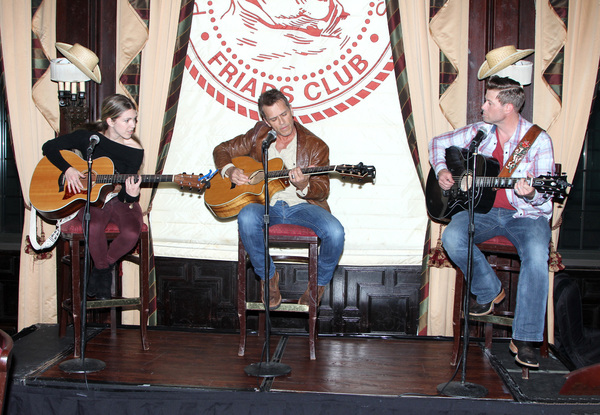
(225, 200)
(50, 197)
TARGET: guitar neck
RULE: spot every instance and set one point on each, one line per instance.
(500, 182)
(146, 178)
(308, 171)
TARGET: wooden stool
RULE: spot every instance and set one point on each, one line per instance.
(288, 235)
(495, 250)
(70, 251)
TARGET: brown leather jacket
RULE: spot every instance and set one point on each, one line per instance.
(311, 151)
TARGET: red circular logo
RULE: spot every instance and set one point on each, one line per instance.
(326, 56)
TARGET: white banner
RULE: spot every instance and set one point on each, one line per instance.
(332, 59)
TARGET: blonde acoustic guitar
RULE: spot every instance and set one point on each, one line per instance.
(225, 200)
(50, 197)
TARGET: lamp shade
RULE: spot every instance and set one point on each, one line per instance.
(61, 70)
(521, 72)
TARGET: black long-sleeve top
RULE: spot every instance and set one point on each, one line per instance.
(126, 160)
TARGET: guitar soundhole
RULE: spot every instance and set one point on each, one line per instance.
(257, 177)
(466, 181)
(61, 182)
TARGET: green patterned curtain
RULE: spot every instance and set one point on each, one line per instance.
(396, 41)
(177, 68)
(448, 72)
(39, 63)
(130, 78)
(554, 73)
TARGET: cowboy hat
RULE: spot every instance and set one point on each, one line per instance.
(83, 58)
(500, 58)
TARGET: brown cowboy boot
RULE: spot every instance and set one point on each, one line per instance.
(305, 299)
(274, 294)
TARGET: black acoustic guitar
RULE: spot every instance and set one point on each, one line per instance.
(443, 204)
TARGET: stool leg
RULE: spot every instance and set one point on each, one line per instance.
(544, 346)
(314, 301)
(76, 294)
(63, 286)
(489, 328)
(115, 283)
(144, 289)
(457, 317)
(241, 297)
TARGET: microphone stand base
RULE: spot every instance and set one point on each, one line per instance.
(86, 365)
(267, 369)
(464, 389)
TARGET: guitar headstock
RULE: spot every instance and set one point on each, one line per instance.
(359, 171)
(194, 181)
(555, 185)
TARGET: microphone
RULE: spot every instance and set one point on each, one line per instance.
(477, 140)
(271, 136)
(94, 139)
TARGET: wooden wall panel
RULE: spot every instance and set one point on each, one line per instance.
(369, 300)
(492, 24)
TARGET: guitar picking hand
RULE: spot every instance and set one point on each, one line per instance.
(445, 179)
(73, 179)
(237, 176)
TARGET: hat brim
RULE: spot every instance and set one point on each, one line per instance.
(94, 75)
(485, 70)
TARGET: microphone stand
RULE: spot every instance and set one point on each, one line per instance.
(83, 364)
(267, 368)
(463, 388)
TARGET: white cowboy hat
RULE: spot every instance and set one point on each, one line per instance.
(83, 58)
(500, 58)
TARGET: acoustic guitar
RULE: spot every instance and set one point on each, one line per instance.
(51, 198)
(443, 204)
(225, 200)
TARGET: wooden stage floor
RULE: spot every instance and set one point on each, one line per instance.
(387, 369)
(361, 366)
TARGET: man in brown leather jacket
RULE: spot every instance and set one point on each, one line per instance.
(303, 203)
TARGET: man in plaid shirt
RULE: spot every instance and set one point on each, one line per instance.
(520, 214)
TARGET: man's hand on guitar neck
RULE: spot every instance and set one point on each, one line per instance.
(524, 189)
(298, 179)
(445, 179)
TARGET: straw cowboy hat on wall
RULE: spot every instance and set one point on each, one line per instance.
(83, 58)
(500, 58)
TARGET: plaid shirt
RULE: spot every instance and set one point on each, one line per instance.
(539, 160)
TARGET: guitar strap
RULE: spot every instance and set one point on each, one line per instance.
(48, 243)
(520, 151)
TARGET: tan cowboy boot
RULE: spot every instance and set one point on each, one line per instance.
(305, 299)
(274, 294)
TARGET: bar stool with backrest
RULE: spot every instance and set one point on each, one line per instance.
(503, 258)
(70, 251)
(287, 235)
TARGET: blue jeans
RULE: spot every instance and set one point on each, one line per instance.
(531, 237)
(329, 230)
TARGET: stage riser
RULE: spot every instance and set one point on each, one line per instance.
(202, 293)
